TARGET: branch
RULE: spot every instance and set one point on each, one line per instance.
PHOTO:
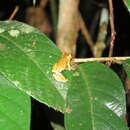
(102, 59)
(53, 6)
(68, 26)
(34, 2)
(113, 33)
(100, 43)
(14, 13)
(85, 32)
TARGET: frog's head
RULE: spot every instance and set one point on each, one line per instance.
(68, 56)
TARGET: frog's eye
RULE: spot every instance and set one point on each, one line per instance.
(70, 56)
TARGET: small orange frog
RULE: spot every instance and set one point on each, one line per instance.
(61, 65)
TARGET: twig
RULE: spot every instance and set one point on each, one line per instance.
(68, 26)
(14, 13)
(54, 11)
(102, 59)
(100, 43)
(34, 2)
(43, 3)
(85, 32)
(113, 33)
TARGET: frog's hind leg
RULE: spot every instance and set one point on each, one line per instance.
(59, 77)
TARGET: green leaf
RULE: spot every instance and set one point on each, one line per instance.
(57, 126)
(126, 65)
(127, 3)
(96, 99)
(27, 57)
(14, 107)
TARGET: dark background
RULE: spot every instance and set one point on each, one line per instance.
(90, 10)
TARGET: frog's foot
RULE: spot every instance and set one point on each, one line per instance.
(59, 77)
(72, 66)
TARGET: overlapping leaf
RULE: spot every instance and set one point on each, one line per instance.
(96, 99)
(14, 107)
(126, 65)
(127, 3)
(26, 59)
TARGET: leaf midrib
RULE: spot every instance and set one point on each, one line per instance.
(84, 77)
(14, 43)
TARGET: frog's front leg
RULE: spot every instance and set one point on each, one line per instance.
(69, 66)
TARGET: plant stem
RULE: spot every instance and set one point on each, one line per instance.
(54, 15)
(68, 26)
(85, 32)
(14, 13)
(102, 59)
(113, 33)
(100, 43)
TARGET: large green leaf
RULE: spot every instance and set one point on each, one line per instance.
(14, 107)
(26, 59)
(127, 3)
(126, 65)
(57, 126)
(96, 99)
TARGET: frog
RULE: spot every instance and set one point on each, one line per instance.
(62, 64)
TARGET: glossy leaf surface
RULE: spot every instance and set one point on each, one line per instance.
(26, 59)
(127, 3)
(14, 107)
(96, 99)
